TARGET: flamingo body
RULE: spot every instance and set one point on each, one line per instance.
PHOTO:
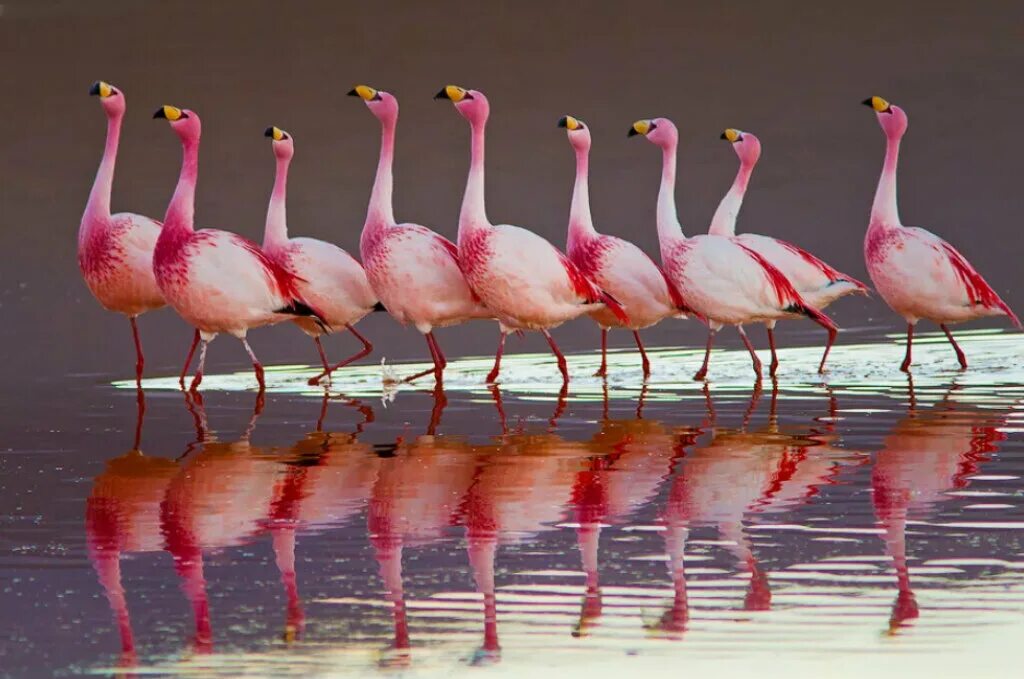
(115, 256)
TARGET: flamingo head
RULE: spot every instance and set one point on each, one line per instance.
(184, 122)
(893, 119)
(111, 98)
(659, 131)
(746, 145)
(471, 104)
(282, 142)
(577, 131)
(382, 104)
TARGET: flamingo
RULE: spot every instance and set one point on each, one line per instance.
(919, 275)
(326, 276)
(816, 281)
(523, 279)
(720, 279)
(115, 251)
(413, 270)
(216, 280)
(614, 264)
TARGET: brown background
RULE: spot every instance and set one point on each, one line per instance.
(793, 72)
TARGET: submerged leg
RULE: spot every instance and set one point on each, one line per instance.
(562, 365)
(905, 367)
(198, 378)
(365, 351)
(603, 370)
(492, 376)
(703, 372)
(956, 347)
(140, 361)
(433, 356)
(188, 359)
(753, 355)
(773, 368)
(256, 366)
(643, 354)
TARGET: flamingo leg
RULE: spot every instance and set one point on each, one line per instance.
(956, 347)
(440, 354)
(492, 376)
(365, 351)
(440, 401)
(323, 355)
(703, 372)
(562, 365)
(753, 355)
(256, 365)
(643, 354)
(433, 356)
(828, 347)
(198, 378)
(603, 370)
(499, 406)
(773, 368)
(140, 361)
(905, 367)
(188, 359)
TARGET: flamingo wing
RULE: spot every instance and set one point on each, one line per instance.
(285, 280)
(832, 274)
(789, 298)
(588, 290)
(977, 288)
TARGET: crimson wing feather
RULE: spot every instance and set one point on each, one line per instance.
(977, 288)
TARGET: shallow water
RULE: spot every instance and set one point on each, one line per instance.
(859, 522)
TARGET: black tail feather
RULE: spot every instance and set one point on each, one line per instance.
(379, 307)
(298, 308)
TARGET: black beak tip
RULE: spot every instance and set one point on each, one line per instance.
(160, 113)
(95, 89)
(867, 102)
(632, 132)
(723, 136)
(563, 121)
(443, 94)
(352, 92)
(269, 132)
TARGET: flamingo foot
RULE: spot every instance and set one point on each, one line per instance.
(602, 371)
(700, 375)
(196, 381)
(774, 367)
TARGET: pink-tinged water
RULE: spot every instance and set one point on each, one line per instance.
(842, 525)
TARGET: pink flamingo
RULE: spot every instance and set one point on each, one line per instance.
(115, 252)
(615, 265)
(720, 279)
(918, 274)
(816, 281)
(216, 280)
(413, 270)
(326, 276)
(523, 279)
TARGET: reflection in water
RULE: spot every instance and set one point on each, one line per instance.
(509, 496)
(927, 454)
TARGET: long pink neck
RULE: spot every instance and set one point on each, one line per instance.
(884, 211)
(98, 206)
(581, 223)
(181, 210)
(724, 221)
(380, 211)
(473, 214)
(275, 232)
(669, 229)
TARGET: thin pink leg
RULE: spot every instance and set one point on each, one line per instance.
(198, 378)
(905, 367)
(492, 376)
(603, 370)
(188, 360)
(256, 365)
(562, 365)
(643, 354)
(440, 354)
(703, 372)
(432, 346)
(750, 348)
(956, 347)
(140, 361)
(828, 347)
(773, 368)
(365, 351)
(500, 406)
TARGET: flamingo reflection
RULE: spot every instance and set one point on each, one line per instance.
(736, 475)
(927, 454)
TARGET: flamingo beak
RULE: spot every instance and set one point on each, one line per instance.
(569, 123)
(878, 104)
(454, 93)
(170, 113)
(641, 127)
(101, 89)
(732, 136)
(365, 92)
(275, 133)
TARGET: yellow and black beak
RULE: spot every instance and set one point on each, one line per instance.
(643, 127)
(101, 89)
(878, 104)
(732, 135)
(170, 113)
(570, 123)
(365, 92)
(454, 93)
(275, 133)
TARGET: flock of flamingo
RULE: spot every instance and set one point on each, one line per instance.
(218, 281)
